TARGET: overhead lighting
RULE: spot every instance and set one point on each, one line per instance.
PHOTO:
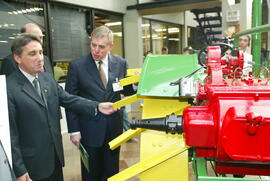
(10, 13)
(173, 30)
(114, 23)
(19, 12)
(37, 9)
(160, 30)
(11, 24)
(24, 11)
(118, 34)
(28, 10)
(145, 25)
(11, 37)
(14, 12)
(5, 25)
(2, 41)
(174, 39)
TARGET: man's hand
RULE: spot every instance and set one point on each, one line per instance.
(106, 108)
(24, 177)
(75, 139)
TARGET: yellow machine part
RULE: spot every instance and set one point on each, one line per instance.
(131, 72)
(154, 107)
(174, 168)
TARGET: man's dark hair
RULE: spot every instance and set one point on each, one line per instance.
(21, 41)
(23, 29)
(164, 49)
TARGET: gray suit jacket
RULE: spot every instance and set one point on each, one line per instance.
(9, 65)
(34, 123)
(6, 173)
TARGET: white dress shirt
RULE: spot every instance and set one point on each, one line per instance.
(29, 76)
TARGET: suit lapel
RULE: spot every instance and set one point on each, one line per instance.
(28, 88)
(111, 69)
(91, 67)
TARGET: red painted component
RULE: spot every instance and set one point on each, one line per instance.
(232, 125)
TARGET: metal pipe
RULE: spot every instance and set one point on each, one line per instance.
(257, 37)
(259, 29)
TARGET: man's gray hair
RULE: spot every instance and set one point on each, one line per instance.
(103, 31)
(21, 41)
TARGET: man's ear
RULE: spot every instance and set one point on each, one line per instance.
(17, 58)
(111, 47)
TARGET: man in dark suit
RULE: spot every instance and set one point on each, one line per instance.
(93, 77)
(6, 173)
(9, 65)
(33, 100)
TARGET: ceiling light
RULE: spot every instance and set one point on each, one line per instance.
(11, 24)
(24, 11)
(11, 37)
(145, 25)
(5, 25)
(28, 10)
(2, 41)
(114, 23)
(14, 12)
(19, 12)
(10, 13)
(36, 9)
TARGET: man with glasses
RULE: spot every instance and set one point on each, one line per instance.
(9, 65)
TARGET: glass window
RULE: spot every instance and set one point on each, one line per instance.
(146, 36)
(69, 37)
(115, 23)
(13, 15)
(159, 37)
(174, 45)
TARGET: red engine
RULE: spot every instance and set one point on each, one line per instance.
(232, 123)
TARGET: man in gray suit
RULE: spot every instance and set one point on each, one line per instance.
(9, 65)
(33, 101)
(6, 173)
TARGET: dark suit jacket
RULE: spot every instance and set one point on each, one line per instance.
(6, 173)
(9, 65)
(83, 79)
(34, 123)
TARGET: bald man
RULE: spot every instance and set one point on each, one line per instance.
(9, 65)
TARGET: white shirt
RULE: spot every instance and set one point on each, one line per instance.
(28, 76)
(247, 63)
(105, 65)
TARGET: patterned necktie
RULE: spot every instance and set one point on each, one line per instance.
(102, 74)
(36, 86)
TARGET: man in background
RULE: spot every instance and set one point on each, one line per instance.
(164, 51)
(9, 65)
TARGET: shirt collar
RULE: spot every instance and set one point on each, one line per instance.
(105, 61)
(28, 76)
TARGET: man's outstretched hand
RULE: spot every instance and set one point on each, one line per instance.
(106, 108)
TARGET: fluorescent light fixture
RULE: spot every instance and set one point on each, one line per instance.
(19, 12)
(114, 23)
(24, 11)
(145, 25)
(174, 39)
(173, 30)
(28, 10)
(2, 41)
(14, 12)
(36, 9)
(11, 37)
(11, 24)
(10, 13)
(160, 30)
(118, 34)
(5, 25)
